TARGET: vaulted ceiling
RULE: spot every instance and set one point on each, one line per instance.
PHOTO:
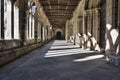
(58, 11)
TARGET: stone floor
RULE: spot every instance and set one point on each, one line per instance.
(59, 60)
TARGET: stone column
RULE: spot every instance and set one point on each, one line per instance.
(23, 22)
(89, 29)
(41, 31)
(97, 21)
(80, 30)
(90, 22)
(81, 24)
(36, 28)
(96, 25)
(119, 21)
(102, 23)
(12, 19)
(66, 30)
(112, 35)
(2, 19)
(85, 23)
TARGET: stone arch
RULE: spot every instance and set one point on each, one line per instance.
(16, 3)
(59, 34)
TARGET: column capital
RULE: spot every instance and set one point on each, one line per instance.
(93, 10)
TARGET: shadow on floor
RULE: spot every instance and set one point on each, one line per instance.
(60, 64)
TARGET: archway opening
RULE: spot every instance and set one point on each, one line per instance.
(58, 36)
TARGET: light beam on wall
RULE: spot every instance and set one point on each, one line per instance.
(114, 34)
(108, 26)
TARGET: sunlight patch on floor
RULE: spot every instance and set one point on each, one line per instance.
(67, 52)
(65, 46)
(88, 58)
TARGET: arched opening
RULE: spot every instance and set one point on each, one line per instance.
(58, 35)
(31, 20)
(7, 19)
(16, 20)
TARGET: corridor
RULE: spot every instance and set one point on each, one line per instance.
(59, 60)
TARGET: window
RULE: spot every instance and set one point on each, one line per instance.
(29, 27)
(33, 27)
(31, 21)
(7, 20)
(16, 22)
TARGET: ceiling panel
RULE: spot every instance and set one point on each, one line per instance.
(58, 11)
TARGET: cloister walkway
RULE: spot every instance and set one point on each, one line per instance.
(59, 60)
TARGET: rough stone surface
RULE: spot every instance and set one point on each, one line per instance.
(59, 60)
(7, 56)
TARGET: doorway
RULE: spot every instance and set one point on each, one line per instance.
(58, 36)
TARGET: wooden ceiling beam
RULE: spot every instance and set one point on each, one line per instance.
(45, 5)
(58, 11)
(46, 9)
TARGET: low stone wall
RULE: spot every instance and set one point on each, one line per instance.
(9, 44)
(7, 56)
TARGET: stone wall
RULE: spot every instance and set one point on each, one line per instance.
(85, 24)
(13, 48)
(9, 55)
(113, 31)
(96, 26)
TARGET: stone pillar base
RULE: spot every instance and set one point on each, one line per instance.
(114, 60)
